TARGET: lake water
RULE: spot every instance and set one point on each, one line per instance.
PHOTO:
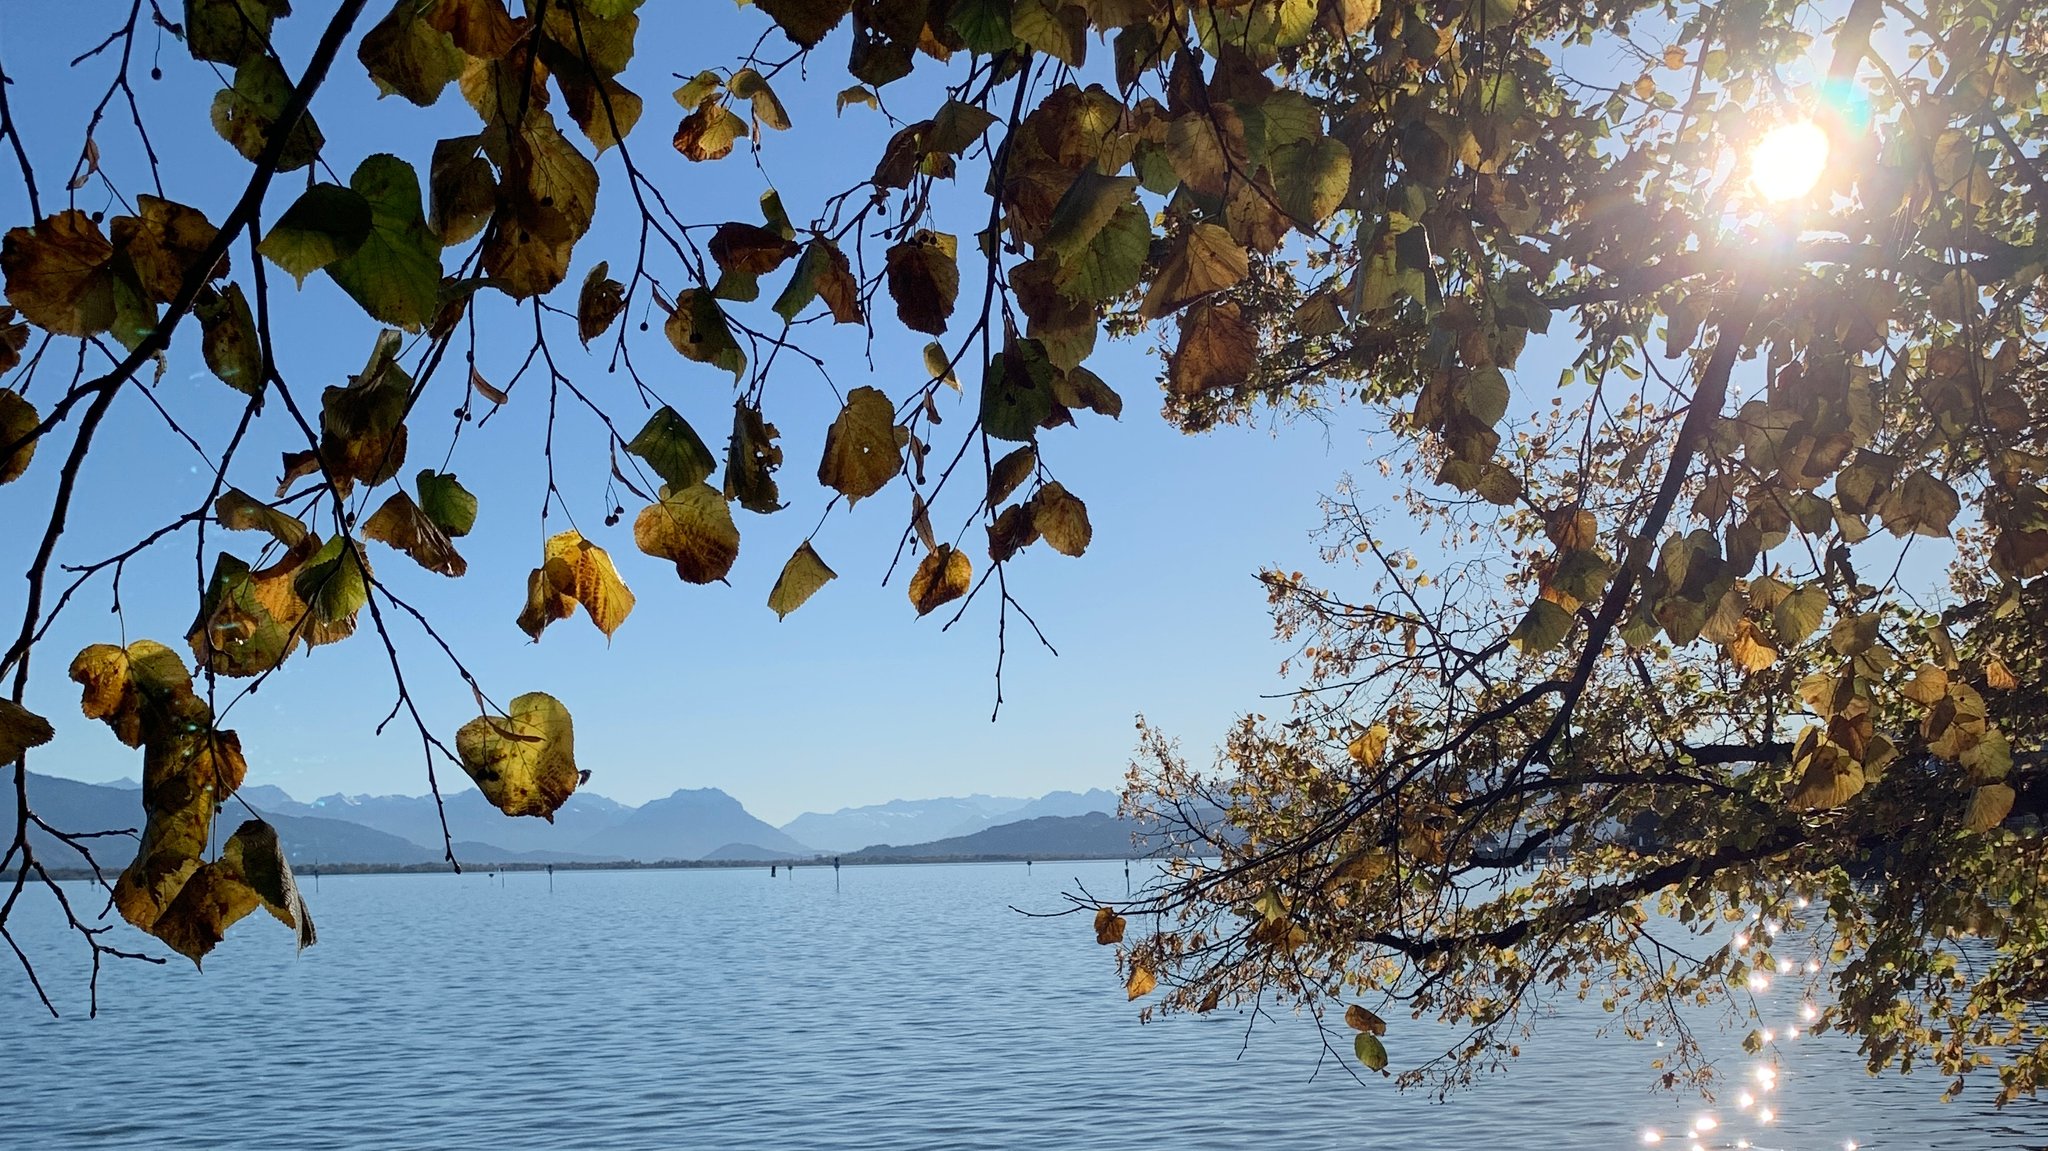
(909, 1008)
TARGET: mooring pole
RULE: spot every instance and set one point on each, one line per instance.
(551, 879)
(835, 873)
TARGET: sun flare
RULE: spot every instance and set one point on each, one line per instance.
(1788, 161)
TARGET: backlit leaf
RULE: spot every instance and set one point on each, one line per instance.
(801, 578)
(697, 328)
(574, 569)
(1370, 1050)
(709, 132)
(228, 340)
(524, 762)
(398, 521)
(861, 452)
(1109, 927)
(751, 457)
(942, 577)
(1061, 518)
(21, 729)
(692, 528)
(326, 223)
(1204, 259)
(671, 447)
(1009, 472)
(246, 113)
(924, 280)
(446, 502)
(18, 418)
(396, 272)
(58, 275)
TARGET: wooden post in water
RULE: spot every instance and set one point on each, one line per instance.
(771, 871)
(551, 879)
(1127, 877)
(835, 873)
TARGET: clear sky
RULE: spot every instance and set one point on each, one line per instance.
(851, 700)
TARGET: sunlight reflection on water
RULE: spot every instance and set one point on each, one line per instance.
(908, 1009)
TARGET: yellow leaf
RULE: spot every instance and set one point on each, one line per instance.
(134, 689)
(943, 576)
(1369, 747)
(1750, 650)
(1204, 260)
(1997, 676)
(1142, 982)
(18, 418)
(1929, 683)
(691, 528)
(1989, 805)
(801, 578)
(523, 762)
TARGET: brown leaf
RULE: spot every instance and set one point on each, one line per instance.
(1109, 927)
(1218, 350)
(861, 451)
(943, 576)
(749, 250)
(924, 280)
(1061, 518)
(1010, 472)
(18, 418)
(400, 523)
(1205, 259)
(598, 303)
(59, 275)
(709, 132)
(163, 244)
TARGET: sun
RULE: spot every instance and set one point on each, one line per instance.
(1788, 161)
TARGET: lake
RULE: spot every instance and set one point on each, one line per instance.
(907, 1008)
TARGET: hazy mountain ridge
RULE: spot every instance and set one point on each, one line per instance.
(702, 824)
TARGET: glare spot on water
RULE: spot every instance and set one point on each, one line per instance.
(1758, 981)
(1745, 1101)
(1808, 1011)
(1653, 1137)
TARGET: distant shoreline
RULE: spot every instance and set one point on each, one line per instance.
(440, 867)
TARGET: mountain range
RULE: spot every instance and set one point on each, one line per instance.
(702, 824)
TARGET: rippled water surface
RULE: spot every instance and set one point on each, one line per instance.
(909, 1008)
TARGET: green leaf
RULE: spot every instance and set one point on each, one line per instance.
(983, 25)
(245, 114)
(1054, 27)
(821, 270)
(229, 31)
(1922, 505)
(18, 418)
(801, 578)
(1542, 629)
(1798, 614)
(671, 447)
(524, 762)
(1311, 178)
(396, 273)
(1088, 206)
(1370, 1050)
(1484, 394)
(334, 583)
(1016, 394)
(327, 223)
(447, 502)
(1112, 263)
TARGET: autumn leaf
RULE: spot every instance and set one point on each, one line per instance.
(163, 245)
(1109, 927)
(238, 511)
(1204, 259)
(18, 418)
(751, 458)
(861, 451)
(137, 689)
(335, 583)
(21, 729)
(944, 576)
(1016, 392)
(58, 274)
(1989, 805)
(1218, 350)
(1750, 649)
(227, 31)
(697, 328)
(692, 528)
(251, 872)
(801, 578)
(228, 340)
(246, 113)
(751, 86)
(598, 303)
(1370, 746)
(1359, 1019)
(1061, 518)
(924, 280)
(1009, 472)
(524, 761)
(249, 622)
(407, 53)
(1141, 982)
(573, 570)
(398, 521)
(822, 271)
(709, 132)
(805, 22)
(1542, 628)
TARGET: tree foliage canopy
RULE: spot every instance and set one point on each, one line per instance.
(1745, 609)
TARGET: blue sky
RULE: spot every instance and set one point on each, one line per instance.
(851, 700)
